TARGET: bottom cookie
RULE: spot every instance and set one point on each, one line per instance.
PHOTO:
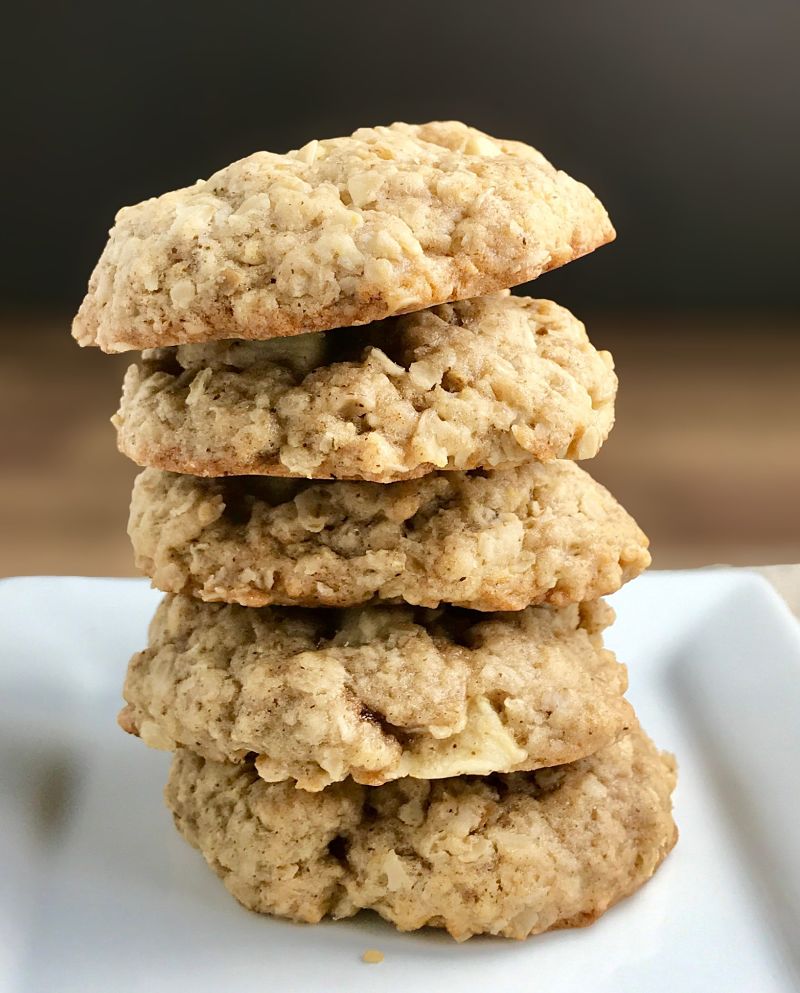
(509, 855)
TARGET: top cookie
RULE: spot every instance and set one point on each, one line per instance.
(340, 232)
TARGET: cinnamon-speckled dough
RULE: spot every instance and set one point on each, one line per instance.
(377, 693)
(491, 541)
(509, 855)
(493, 381)
(341, 232)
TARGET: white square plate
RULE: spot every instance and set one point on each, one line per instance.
(98, 892)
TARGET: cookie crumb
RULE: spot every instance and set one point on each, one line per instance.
(372, 956)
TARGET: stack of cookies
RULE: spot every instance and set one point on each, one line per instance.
(379, 661)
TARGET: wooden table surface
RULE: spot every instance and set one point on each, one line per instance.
(705, 453)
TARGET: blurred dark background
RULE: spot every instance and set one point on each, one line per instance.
(683, 117)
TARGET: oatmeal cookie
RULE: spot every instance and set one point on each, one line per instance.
(493, 381)
(507, 855)
(340, 232)
(502, 540)
(377, 693)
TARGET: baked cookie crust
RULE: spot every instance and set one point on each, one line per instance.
(506, 855)
(340, 232)
(377, 693)
(489, 382)
(502, 540)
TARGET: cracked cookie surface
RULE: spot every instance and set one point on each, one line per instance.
(507, 855)
(493, 381)
(379, 692)
(502, 540)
